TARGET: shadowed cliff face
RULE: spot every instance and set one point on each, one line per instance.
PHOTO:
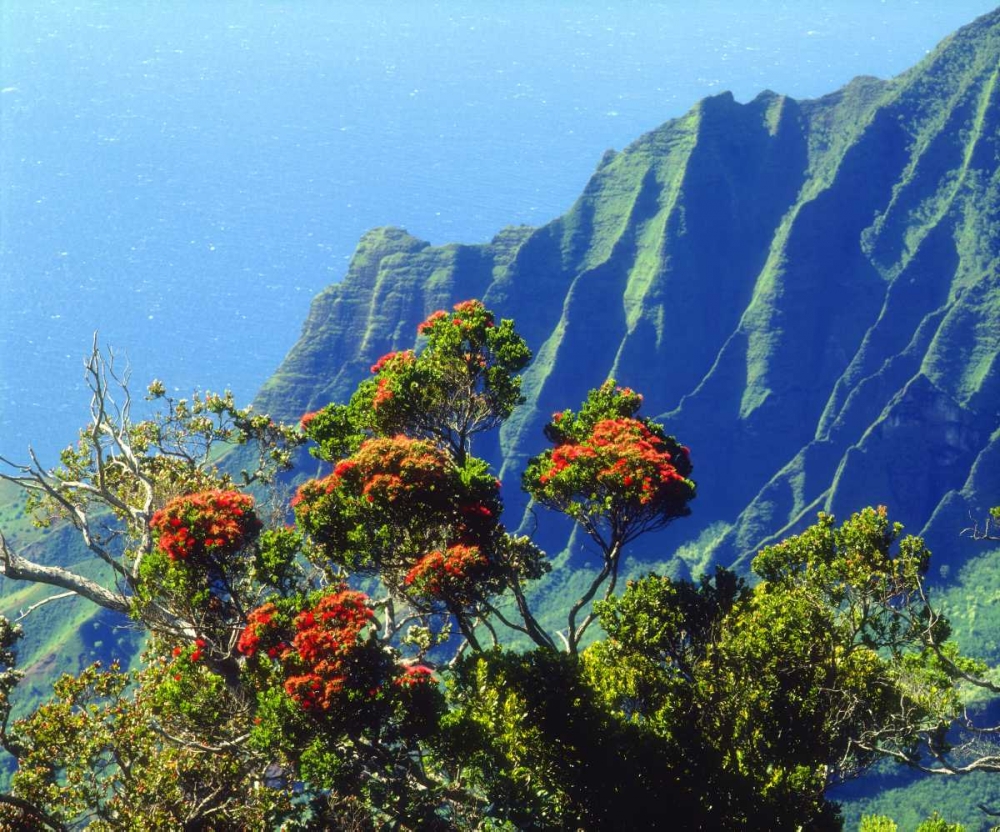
(808, 294)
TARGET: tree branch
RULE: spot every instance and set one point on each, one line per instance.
(17, 568)
(33, 812)
(25, 613)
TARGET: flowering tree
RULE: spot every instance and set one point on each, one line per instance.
(615, 475)
(463, 382)
(351, 670)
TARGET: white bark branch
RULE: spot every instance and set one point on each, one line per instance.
(57, 597)
(17, 568)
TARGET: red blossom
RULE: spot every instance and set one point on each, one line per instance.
(432, 319)
(258, 627)
(620, 457)
(327, 635)
(344, 467)
(383, 392)
(446, 573)
(401, 357)
(191, 524)
(415, 675)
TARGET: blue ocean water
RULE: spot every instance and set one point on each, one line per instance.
(184, 176)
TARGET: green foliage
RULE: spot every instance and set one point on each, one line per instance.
(275, 559)
(796, 682)
(935, 823)
(96, 753)
(877, 823)
(276, 692)
(531, 731)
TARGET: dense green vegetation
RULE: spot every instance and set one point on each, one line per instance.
(274, 692)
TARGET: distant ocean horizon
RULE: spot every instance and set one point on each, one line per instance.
(183, 177)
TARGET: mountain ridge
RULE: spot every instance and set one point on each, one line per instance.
(806, 292)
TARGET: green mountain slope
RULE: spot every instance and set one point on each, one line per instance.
(808, 293)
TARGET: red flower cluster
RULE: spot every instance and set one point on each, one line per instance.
(312, 490)
(307, 418)
(402, 357)
(629, 393)
(391, 361)
(639, 456)
(262, 632)
(466, 314)
(332, 668)
(563, 457)
(326, 638)
(622, 455)
(391, 487)
(415, 675)
(193, 656)
(442, 573)
(468, 306)
(389, 469)
(195, 525)
(383, 392)
(344, 467)
(432, 319)
(199, 645)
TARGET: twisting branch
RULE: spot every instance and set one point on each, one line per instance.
(57, 597)
(36, 479)
(576, 633)
(33, 812)
(109, 485)
(200, 747)
(988, 530)
(20, 569)
(532, 627)
(592, 616)
(944, 658)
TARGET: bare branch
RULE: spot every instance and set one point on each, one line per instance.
(20, 569)
(610, 568)
(25, 613)
(592, 616)
(200, 747)
(987, 532)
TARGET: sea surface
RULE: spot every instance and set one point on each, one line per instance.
(182, 177)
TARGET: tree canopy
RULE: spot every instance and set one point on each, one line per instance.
(343, 659)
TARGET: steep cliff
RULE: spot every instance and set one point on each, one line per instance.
(807, 292)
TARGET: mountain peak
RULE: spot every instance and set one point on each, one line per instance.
(780, 278)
